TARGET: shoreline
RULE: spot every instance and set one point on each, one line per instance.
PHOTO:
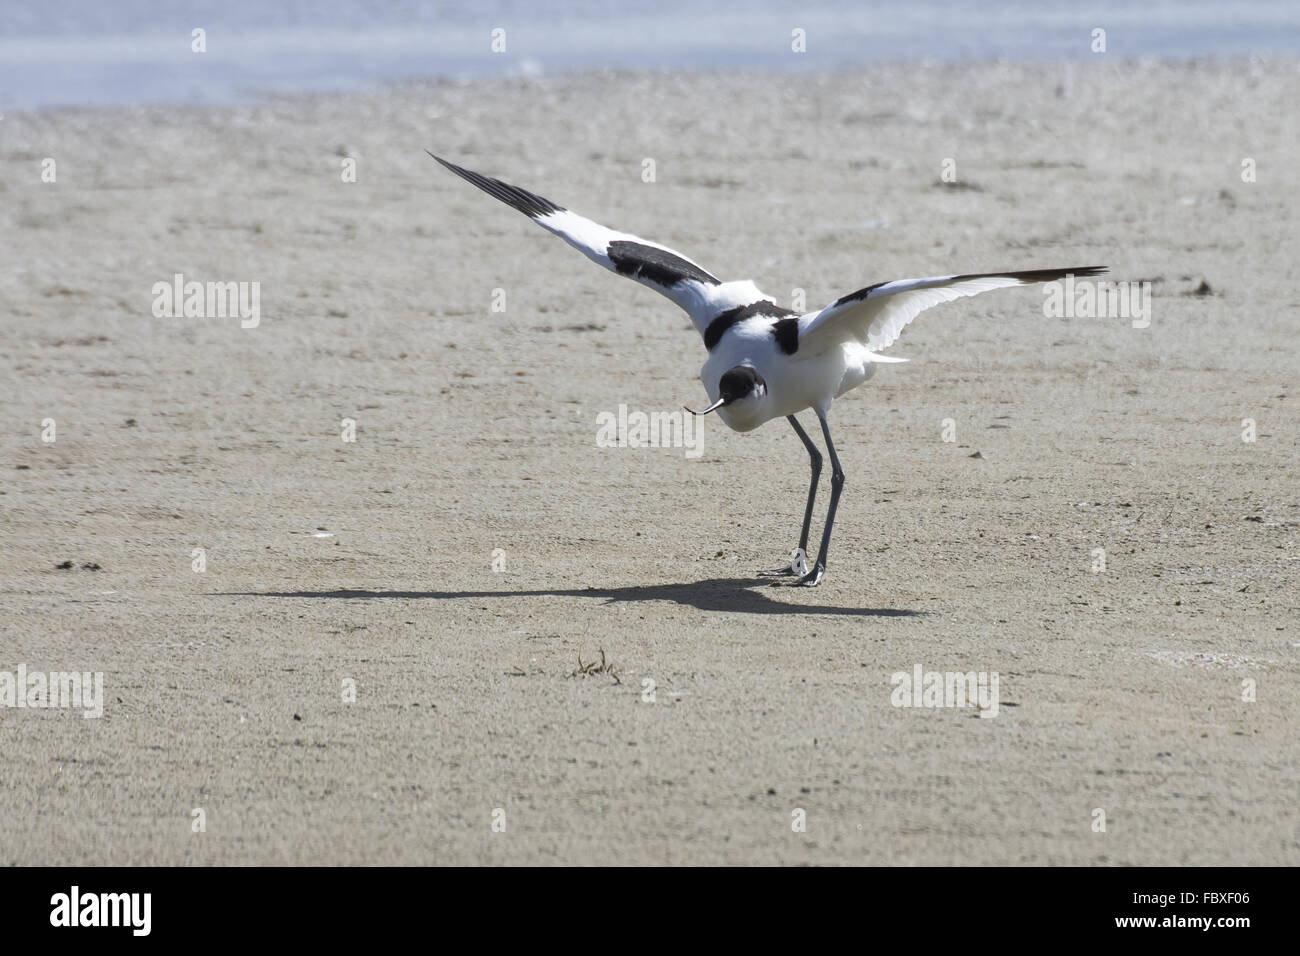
(404, 85)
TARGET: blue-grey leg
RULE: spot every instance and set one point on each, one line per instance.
(814, 577)
(799, 560)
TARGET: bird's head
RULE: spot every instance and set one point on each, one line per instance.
(740, 395)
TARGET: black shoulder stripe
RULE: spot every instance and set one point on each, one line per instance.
(661, 267)
(528, 203)
(725, 320)
(786, 333)
(856, 296)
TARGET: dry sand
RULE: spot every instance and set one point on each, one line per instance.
(476, 431)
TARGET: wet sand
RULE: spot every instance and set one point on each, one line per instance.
(372, 561)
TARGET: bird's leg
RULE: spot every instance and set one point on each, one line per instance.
(814, 577)
(798, 565)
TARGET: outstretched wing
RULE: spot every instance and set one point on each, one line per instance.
(876, 316)
(658, 267)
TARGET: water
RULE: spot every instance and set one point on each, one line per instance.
(100, 52)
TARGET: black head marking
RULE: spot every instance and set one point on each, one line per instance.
(738, 382)
(659, 266)
(725, 320)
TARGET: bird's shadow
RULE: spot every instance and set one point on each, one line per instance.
(736, 595)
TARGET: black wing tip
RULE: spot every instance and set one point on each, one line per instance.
(530, 204)
(458, 170)
(1052, 275)
(1025, 276)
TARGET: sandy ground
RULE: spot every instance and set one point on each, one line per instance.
(476, 434)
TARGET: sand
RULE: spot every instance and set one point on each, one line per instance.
(371, 561)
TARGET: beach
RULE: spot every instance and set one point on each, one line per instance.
(462, 630)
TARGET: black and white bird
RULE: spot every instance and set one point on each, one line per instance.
(766, 361)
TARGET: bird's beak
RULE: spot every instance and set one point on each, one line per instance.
(718, 404)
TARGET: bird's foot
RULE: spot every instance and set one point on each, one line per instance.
(798, 566)
(812, 578)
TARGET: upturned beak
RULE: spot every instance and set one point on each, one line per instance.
(718, 404)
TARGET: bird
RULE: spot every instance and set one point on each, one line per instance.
(765, 361)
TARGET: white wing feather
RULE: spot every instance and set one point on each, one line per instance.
(877, 315)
